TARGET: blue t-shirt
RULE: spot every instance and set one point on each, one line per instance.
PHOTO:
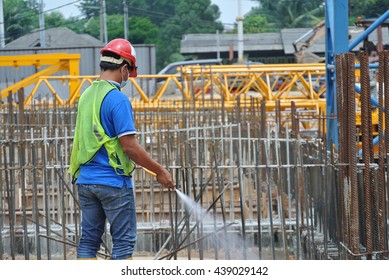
(118, 120)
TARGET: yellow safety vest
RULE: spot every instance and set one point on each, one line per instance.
(90, 135)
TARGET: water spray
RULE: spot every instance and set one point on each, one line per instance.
(192, 208)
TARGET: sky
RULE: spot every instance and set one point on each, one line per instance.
(66, 7)
(228, 8)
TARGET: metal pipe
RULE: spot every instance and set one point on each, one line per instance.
(385, 79)
(280, 191)
(269, 196)
(26, 246)
(239, 19)
(35, 198)
(380, 190)
(222, 206)
(2, 33)
(46, 193)
(370, 29)
(366, 153)
(257, 175)
(241, 193)
(2, 206)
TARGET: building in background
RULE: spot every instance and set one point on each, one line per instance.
(64, 40)
(268, 48)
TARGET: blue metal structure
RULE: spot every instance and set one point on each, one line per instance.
(337, 43)
(368, 30)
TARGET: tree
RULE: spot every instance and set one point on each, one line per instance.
(366, 9)
(290, 13)
(377, 9)
(190, 17)
(20, 18)
(302, 13)
(92, 8)
(54, 19)
(115, 26)
(155, 10)
(256, 24)
(57, 19)
(76, 24)
(142, 31)
(362, 7)
(174, 18)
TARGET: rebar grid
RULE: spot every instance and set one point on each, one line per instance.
(365, 196)
(269, 192)
(366, 151)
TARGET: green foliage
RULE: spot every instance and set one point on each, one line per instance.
(54, 19)
(368, 8)
(376, 10)
(76, 24)
(164, 22)
(90, 8)
(20, 18)
(156, 10)
(190, 17)
(257, 24)
(361, 7)
(115, 27)
(290, 13)
(302, 13)
(92, 27)
(142, 31)
(159, 22)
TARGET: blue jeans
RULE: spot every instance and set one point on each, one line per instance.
(117, 205)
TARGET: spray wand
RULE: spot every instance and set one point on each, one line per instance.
(150, 172)
(154, 175)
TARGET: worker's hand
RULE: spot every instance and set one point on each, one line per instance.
(165, 179)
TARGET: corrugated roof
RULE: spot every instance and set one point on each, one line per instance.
(55, 37)
(278, 41)
(192, 43)
(291, 35)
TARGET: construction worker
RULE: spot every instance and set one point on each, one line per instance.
(104, 153)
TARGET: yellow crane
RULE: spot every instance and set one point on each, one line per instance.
(56, 62)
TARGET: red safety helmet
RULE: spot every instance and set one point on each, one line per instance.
(126, 51)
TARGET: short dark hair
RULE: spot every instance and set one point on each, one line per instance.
(104, 65)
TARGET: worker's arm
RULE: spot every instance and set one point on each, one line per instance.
(138, 154)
